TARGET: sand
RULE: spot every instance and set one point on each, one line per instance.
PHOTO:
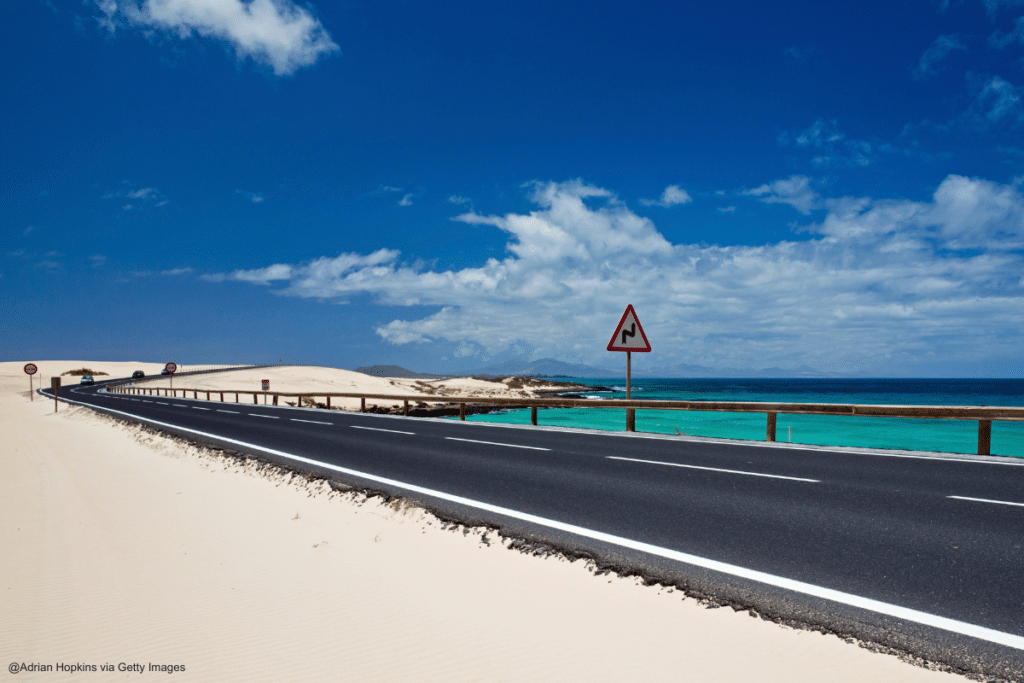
(307, 379)
(125, 547)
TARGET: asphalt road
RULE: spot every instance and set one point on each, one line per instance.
(861, 544)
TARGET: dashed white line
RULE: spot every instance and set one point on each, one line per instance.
(198, 408)
(162, 403)
(986, 500)
(715, 469)
(145, 401)
(495, 443)
(179, 405)
(375, 429)
(312, 422)
(269, 417)
(233, 412)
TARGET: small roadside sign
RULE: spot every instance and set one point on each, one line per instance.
(31, 369)
(629, 336)
(266, 385)
(171, 368)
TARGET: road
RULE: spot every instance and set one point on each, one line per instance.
(922, 554)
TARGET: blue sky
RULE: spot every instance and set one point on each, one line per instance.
(448, 185)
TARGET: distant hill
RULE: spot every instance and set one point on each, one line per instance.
(546, 367)
(397, 371)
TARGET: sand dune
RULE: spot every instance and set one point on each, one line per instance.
(122, 546)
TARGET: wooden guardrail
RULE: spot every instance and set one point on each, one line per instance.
(983, 414)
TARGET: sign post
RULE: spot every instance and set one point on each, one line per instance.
(55, 385)
(171, 368)
(266, 387)
(626, 338)
(30, 369)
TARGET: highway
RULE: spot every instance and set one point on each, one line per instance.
(921, 554)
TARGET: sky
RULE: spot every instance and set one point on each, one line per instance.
(444, 186)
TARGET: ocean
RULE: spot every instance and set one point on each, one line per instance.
(950, 436)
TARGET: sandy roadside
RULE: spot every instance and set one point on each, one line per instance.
(121, 546)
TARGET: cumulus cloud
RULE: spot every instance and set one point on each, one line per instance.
(794, 190)
(878, 284)
(406, 200)
(672, 196)
(927, 65)
(277, 33)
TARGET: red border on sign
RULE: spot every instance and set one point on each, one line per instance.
(34, 369)
(171, 368)
(618, 328)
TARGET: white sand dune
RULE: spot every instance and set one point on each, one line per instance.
(306, 379)
(122, 546)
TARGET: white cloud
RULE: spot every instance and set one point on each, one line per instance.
(406, 200)
(672, 196)
(795, 191)
(254, 197)
(726, 209)
(881, 285)
(28, 231)
(1004, 40)
(97, 260)
(997, 102)
(927, 65)
(178, 271)
(459, 199)
(141, 197)
(277, 33)
(832, 147)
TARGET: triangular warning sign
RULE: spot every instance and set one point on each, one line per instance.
(629, 336)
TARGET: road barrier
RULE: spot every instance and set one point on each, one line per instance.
(985, 415)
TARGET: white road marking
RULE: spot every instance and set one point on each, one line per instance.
(233, 412)
(198, 408)
(270, 417)
(715, 469)
(145, 401)
(888, 609)
(495, 443)
(375, 429)
(986, 500)
(163, 404)
(179, 405)
(312, 422)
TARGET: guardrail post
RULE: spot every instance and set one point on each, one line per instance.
(462, 411)
(362, 405)
(328, 403)
(255, 399)
(236, 398)
(630, 419)
(222, 397)
(984, 437)
(207, 395)
(275, 399)
(533, 415)
(771, 427)
(195, 395)
(405, 409)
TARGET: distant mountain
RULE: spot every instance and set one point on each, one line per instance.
(397, 371)
(546, 366)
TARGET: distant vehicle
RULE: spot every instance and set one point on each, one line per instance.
(137, 374)
(164, 372)
(87, 379)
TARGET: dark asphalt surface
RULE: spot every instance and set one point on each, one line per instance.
(875, 526)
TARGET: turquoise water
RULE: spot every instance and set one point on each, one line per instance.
(951, 436)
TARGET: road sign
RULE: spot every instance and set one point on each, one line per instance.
(30, 368)
(629, 336)
(266, 385)
(171, 368)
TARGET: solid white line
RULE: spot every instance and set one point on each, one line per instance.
(714, 469)
(495, 443)
(905, 613)
(375, 429)
(312, 422)
(271, 417)
(986, 500)
(233, 412)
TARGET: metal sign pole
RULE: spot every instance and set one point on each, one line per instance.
(629, 372)
(31, 396)
(55, 385)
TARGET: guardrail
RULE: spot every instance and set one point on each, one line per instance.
(983, 414)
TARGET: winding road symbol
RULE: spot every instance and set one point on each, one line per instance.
(626, 338)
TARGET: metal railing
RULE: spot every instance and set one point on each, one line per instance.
(983, 414)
